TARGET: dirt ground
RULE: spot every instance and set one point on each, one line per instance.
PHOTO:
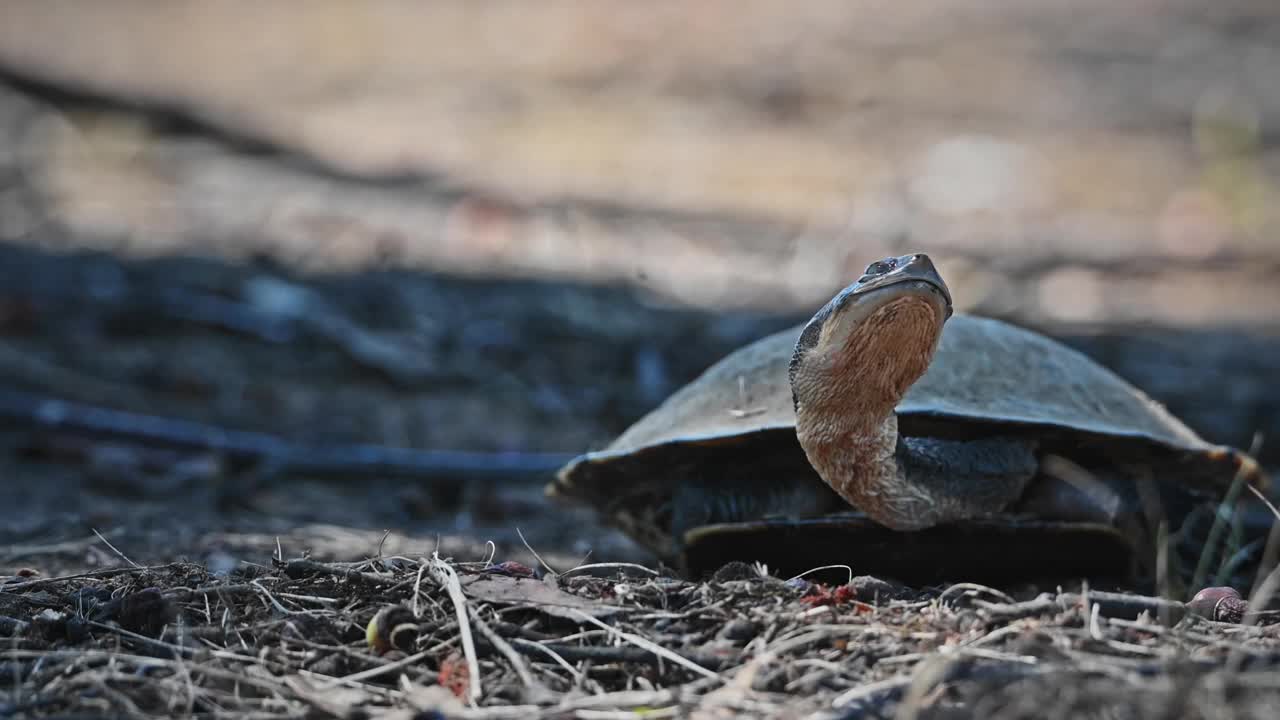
(287, 638)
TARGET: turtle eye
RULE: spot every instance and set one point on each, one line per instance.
(880, 267)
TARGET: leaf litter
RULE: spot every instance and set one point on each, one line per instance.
(296, 638)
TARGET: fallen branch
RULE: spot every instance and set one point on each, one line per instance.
(1109, 604)
(281, 456)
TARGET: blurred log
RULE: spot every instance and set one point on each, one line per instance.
(513, 365)
(271, 454)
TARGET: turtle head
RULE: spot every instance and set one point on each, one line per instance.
(863, 349)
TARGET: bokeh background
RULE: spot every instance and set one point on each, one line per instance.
(507, 226)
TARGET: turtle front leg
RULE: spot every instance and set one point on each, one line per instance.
(1066, 491)
(790, 493)
(940, 481)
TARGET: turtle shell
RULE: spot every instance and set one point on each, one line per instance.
(688, 462)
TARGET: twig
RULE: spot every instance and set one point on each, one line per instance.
(363, 675)
(318, 700)
(115, 549)
(556, 657)
(611, 566)
(178, 651)
(303, 568)
(88, 655)
(812, 634)
(1000, 633)
(649, 712)
(975, 588)
(417, 589)
(1018, 610)
(308, 598)
(600, 654)
(529, 547)
(876, 693)
(620, 699)
(1109, 605)
(507, 651)
(109, 572)
(652, 647)
(1270, 506)
(826, 567)
(448, 579)
(262, 590)
(1225, 509)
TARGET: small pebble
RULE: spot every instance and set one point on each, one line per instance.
(799, 584)
(511, 568)
(735, 570)
(146, 612)
(873, 589)
(50, 624)
(739, 631)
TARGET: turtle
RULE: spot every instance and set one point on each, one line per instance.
(891, 434)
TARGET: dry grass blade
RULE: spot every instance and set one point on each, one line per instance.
(114, 549)
(610, 566)
(1226, 513)
(526, 678)
(445, 576)
(649, 645)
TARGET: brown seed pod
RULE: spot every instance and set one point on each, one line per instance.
(1221, 604)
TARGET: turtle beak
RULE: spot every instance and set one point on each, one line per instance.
(916, 269)
(883, 282)
(905, 268)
